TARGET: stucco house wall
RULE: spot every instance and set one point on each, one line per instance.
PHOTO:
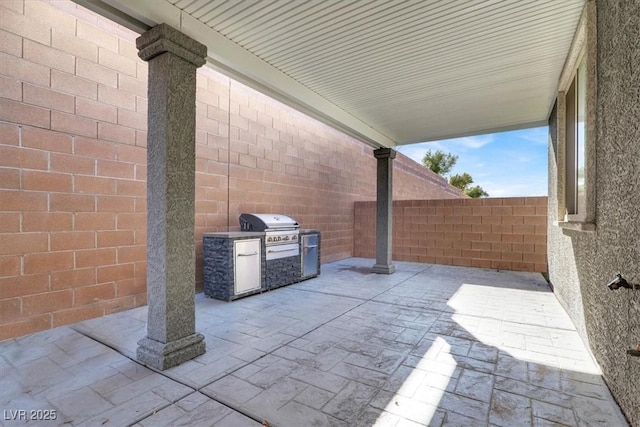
(73, 167)
(582, 263)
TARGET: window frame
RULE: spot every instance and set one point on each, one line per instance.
(573, 216)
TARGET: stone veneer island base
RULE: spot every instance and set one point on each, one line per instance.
(221, 280)
(219, 269)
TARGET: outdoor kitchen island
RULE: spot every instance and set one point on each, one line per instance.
(267, 254)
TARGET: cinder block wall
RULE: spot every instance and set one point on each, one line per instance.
(501, 233)
(73, 167)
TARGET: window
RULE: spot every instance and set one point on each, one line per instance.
(576, 124)
(575, 139)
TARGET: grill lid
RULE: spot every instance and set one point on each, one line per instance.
(264, 222)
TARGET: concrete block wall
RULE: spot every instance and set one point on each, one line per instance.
(500, 233)
(73, 167)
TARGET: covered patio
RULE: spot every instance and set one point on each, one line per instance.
(426, 345)
(429, 345)
(325, 62)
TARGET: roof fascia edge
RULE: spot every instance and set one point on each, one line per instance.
(239, 64)
(484, 131)
(129, 17)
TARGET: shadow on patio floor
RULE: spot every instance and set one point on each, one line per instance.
(428, 345)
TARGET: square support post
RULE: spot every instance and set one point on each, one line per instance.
(173, 59)
(384, 210)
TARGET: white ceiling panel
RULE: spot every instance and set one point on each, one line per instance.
(390, 72)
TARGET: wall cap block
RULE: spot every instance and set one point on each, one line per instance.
(384, 153)
(164, 38)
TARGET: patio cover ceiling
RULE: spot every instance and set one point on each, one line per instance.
(388, 72)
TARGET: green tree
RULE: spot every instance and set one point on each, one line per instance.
(476, 192)
(439, 161)
(463, 182)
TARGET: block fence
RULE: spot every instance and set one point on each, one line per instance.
(500, 233)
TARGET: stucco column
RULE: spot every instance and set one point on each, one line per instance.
(173, 59)
(384, 210)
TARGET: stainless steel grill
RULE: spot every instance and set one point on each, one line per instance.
(281, 233)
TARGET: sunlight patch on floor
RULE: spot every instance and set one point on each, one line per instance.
(428, 380)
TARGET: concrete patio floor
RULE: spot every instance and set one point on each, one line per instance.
(428, 345)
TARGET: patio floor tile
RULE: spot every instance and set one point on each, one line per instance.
(429, 345)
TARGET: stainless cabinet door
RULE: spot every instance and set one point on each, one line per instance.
(309, 255)
(247, 271)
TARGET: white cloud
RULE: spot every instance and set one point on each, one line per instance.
(524, 186)
(415, 151)
(454, 146)
(471, 142)
(507, 164)
(536, 135)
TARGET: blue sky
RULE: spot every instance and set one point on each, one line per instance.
(506, 164)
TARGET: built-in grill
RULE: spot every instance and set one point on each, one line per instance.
(282, 266)
(264, 255)
(281, 233)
